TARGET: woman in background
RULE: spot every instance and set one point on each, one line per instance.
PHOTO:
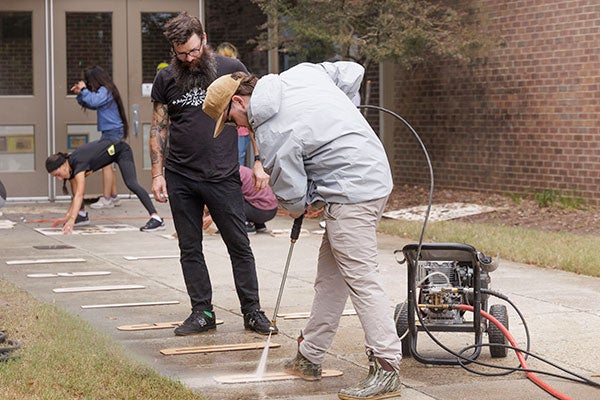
(98, 92)
(228, 50)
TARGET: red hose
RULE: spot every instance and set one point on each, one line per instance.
(532, 377)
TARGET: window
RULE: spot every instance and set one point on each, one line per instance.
(155, 47)
(16, 57)
(17, 146)
(89, 43)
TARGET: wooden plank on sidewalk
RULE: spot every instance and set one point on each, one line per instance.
(68, 274)
(142, 304)
(96, 288)
(217, 348)
(302, 315)
(45, 261)
(271, 376)
(156, 325)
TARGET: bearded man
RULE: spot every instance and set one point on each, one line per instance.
(197, 170)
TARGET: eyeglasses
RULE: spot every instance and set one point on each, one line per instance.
(182, 56)
(228, 120)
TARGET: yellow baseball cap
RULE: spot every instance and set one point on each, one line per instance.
(218, 96)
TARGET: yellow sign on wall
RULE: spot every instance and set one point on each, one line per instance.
(17, 144)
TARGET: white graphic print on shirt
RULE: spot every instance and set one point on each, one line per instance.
(194, 97)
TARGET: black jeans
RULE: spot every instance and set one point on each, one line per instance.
(225, 202)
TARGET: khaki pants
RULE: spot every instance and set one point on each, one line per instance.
(347, 266)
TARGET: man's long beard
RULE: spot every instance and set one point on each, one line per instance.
(196, 74)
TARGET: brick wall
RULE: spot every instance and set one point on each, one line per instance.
(372, 76)
(524, 120)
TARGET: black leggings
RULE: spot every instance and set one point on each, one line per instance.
(124, 159)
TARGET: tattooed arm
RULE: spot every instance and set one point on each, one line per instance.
(158, 143)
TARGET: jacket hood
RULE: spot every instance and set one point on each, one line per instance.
(265, 106)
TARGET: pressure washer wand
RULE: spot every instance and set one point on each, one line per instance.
(293, 238)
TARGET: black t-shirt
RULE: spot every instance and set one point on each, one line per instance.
(94, 155)
(193, 152)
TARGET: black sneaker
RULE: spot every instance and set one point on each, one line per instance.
(153, 225)
(82, 220)
(197, 322)
(250, 228)
(260, 228)
(257, 321)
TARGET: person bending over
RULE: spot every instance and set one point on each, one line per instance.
(320, 150)
(87, 159)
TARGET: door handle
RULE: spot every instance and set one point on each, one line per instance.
(135, 109)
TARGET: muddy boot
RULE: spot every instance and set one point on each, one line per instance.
(300, 366)
(379, 384)
(373, 367)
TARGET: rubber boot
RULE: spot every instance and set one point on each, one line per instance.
(302, 367)
(379, 384)
(373, 367)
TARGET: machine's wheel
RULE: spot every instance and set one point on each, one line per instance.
(401, 318)
(495, 335)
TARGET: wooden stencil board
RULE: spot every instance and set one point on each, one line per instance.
(156, 325)
(302, 315)
(271, 376)
(217, 348)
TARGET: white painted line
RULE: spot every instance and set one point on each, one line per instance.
(135, 258)
(117, 228)
(96, 288)
(286, 232)
(69, 274)
(45, 261)
(7, 224)
(149, 303)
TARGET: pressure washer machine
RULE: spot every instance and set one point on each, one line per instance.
(441, 277)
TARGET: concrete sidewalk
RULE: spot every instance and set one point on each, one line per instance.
(561, 309)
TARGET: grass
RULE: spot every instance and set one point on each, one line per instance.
(557, 250)
(550, 197)
(63, 357)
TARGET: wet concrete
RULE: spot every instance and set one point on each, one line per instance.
(559, 307)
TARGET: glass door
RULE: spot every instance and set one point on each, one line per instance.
(147, 49)
(23, 93)
(124, 38)
(86, 34)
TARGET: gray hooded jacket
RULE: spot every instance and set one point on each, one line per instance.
(313, 140)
